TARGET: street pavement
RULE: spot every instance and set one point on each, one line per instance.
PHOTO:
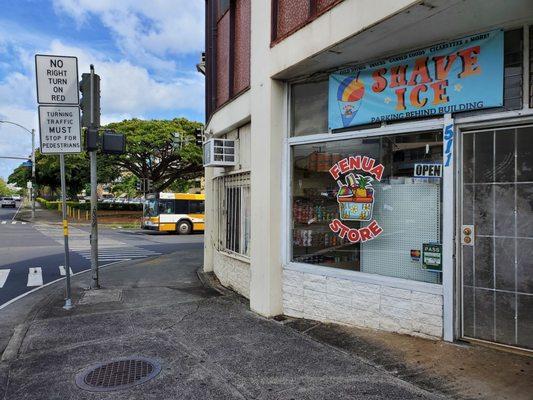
(7, 214)
(32, 254)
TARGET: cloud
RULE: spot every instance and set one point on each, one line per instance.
(127, 90)
(141, 80)
(147, 31)
(132, 90)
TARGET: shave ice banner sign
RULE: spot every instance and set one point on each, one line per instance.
(465, 74)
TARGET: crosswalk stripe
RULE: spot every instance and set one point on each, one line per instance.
(35, 276)
(63, 271)
(3, 276)
(120, 254)
(109, 249)
(88, 257)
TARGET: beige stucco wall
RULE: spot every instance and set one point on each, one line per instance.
(265, 106)
(232, 271)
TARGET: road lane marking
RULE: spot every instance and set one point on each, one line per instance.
(3, 276)
(7, 303)
(63, 271)
(35, 276)
(18, 209)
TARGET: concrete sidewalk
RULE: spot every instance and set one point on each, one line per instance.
(210, 346)
(42, 215)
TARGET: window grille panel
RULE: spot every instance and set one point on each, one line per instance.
(233, 193)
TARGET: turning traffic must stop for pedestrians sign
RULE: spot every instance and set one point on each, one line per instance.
(60, 129)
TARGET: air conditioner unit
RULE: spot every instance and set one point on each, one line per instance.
(220, 153)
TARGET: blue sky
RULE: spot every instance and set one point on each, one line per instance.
(144, 51)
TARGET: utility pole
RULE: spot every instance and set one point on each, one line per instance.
(95, 284)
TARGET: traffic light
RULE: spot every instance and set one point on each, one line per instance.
(113, 143)
(91, 139)
(90, 97)
(199, 134)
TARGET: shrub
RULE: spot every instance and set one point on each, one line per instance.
(53, 205)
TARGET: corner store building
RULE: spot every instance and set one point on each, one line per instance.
(268, 222)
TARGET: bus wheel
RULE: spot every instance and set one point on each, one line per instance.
(184, 227)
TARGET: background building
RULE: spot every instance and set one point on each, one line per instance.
(429, 231)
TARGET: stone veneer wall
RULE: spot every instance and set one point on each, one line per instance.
(232, 273)
(369, 305)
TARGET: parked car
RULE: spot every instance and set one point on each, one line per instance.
(17, 197)
(8, 202)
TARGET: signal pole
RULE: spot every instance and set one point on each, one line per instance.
(68, 300)
(32, 174)
(95, 284)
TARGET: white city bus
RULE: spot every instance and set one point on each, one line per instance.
(174, 212)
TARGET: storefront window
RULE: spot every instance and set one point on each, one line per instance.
(371, 205)
(309, 108)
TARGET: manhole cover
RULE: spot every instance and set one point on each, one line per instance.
(117, 374)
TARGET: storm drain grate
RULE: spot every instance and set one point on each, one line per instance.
(117, 374)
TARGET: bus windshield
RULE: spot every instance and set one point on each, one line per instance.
(150, 208)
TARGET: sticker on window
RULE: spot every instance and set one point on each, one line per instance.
(428, 171)
(355, 176)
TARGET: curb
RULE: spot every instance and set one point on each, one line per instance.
(209, 280)
(15, 342)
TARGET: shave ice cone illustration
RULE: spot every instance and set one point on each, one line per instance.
(349, 96)
(356, 198)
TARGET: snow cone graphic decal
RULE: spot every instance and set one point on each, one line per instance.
(356, 197)
(349, 95)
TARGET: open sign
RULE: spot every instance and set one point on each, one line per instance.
(428, 170)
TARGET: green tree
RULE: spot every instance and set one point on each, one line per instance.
(127, 184)
(154, 153)
(76, 170)
(4, 190)
(181, 185)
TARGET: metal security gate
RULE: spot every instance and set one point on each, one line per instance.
(497, 235)
(233, 196)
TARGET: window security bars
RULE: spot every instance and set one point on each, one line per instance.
(233, 194)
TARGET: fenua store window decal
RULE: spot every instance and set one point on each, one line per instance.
(355, 176)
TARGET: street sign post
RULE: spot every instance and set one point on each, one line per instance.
(59, 123)
(57, 79)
